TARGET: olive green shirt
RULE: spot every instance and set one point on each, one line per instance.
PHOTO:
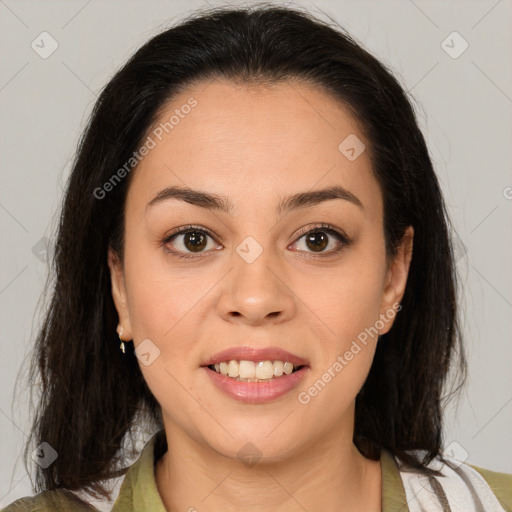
(139, 493)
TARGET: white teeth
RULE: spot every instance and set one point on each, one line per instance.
(233, 369)
(254, 371)
(278, 368)
(246, 370)
(264, 370)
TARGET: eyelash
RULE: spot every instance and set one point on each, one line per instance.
(324, 228)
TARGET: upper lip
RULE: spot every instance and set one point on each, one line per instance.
(256, 354)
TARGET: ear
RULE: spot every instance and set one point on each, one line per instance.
(119, 294)
(396, 280)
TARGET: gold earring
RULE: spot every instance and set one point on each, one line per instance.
(121, 346)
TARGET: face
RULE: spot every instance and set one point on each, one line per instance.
(308, 276)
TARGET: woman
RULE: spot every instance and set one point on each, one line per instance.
(254, 214)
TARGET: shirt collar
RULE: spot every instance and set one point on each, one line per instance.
(139, 491)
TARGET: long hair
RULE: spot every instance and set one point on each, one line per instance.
(92, 395)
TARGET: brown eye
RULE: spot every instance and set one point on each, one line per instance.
(320, 238)
(194, 241)
(186, 241)
(317, 241)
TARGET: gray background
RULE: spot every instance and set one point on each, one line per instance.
(464, 106)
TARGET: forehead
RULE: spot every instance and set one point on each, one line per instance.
(255, 143)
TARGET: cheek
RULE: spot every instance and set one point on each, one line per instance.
(168, 305)
(348, 304)
(157, 297)
(161, 306)
(348, 299)
(346, 346)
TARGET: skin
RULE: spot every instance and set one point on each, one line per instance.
(256, 145)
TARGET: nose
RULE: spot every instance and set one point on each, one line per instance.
(256, 293)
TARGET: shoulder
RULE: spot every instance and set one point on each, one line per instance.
(46, 501)
(137, 486)
(500, 483)
(460, 486)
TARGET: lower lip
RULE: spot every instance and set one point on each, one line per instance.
(257, 392)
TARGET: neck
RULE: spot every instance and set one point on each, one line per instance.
(328, 475)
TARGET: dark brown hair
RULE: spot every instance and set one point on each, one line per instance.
(91, 395)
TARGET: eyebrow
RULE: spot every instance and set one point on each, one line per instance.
(211, 201)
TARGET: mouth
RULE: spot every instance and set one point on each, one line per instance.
(256, 376)
(251, 371)
(236, 380)
(249, 364)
